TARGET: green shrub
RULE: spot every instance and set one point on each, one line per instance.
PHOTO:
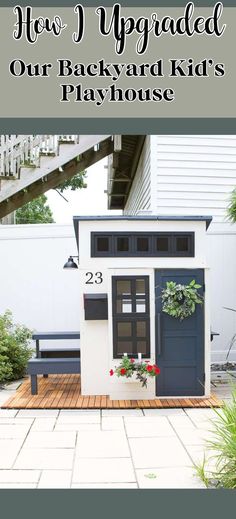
(223, 446)
(14, 348)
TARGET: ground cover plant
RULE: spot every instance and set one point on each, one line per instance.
(223, 446)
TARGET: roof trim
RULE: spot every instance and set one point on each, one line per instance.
(183, 218)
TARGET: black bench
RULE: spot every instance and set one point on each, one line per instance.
(52, 367)
(62, 350)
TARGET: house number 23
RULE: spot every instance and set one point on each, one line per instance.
(94, 278)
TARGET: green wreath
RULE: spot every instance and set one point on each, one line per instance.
(180, 301)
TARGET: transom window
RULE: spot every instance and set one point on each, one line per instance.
(142, 244)
(131, 319)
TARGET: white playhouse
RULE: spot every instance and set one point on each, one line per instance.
(125, 263)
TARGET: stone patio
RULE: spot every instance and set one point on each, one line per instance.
(129, 448)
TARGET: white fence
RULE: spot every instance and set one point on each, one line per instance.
(43, 296)
(33, 283)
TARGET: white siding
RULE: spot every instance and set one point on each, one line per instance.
(221, 254)
(193, 174)
(140, 194)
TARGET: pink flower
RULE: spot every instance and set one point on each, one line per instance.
(111, 372)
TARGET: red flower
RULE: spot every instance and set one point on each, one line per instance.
(157, 370)
(132, 361)
(149, 367)
(111, 372)
(122, 371)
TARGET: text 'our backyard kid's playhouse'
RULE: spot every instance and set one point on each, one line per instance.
(125, 266)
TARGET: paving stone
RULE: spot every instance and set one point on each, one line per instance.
(192, 437)
(8, 413)
(79, 416)
(50, 440)
(8, 452)
(113, 423)
(102, 444)
(55, 479)
(61, 426)
(94, 470)
(200, 454)
(145, 428)
(163, 412)
(19, 476)
(45, 459)
(200, 415)
(105, 485)
(18, 485)
(184, 422)
(13, 431)
(16, 421)
(122, 412)
(81, 412)
(183, 477)
(158, 452)
(43, 424)
(35, 413)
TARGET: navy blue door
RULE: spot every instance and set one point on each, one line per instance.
(179, 345)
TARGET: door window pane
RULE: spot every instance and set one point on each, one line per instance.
(140, 287)
(124, 347)
(123, 287)
(141, 329)
(142, 244)
(103, 244)
(124, 306)
(122, 244)
(182, 244)
(162, 244)
(142, 347)
(140, 305)
(124, 329)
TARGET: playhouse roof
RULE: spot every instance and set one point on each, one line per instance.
(77, 219)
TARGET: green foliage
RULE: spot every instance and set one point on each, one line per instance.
(180, 301)
(231, 209)
(36, 211)
(202, 472)
(223, 446)
(14, 348)
(76, 182)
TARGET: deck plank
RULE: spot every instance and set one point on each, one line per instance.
(64, 392)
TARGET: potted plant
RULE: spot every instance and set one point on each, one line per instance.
(132, 370)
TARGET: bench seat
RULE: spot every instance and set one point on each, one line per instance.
(53, 366)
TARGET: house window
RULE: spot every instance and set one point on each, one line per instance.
(139, 244)
(131, 318)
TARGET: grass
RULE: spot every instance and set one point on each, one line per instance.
(223, 446)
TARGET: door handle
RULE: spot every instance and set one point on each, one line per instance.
(159, 334)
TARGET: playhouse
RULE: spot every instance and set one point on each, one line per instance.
(124, 264)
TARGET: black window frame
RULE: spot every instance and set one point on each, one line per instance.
(133, 238)
(131, 317)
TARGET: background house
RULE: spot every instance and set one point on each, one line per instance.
(189, 175)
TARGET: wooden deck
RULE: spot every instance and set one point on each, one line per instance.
(64, 392)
